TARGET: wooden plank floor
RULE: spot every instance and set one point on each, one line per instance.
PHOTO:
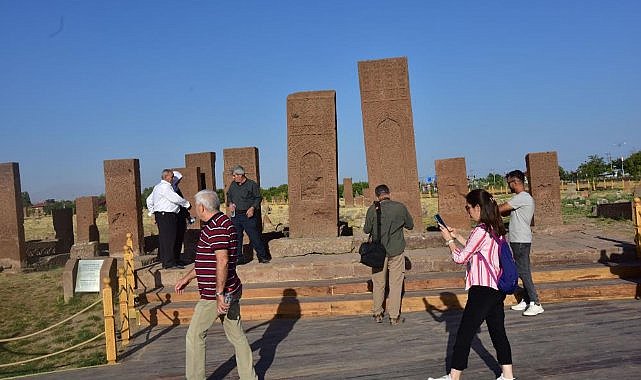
(579, 340)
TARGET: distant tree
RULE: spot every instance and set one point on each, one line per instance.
(26, 199)
(358, 187)
(52, 204)
(275, 191)
(102, 203)
(632, 165)
(495, 179)
(565, 175)
(594, 167)
(143, 196)
(221, 195)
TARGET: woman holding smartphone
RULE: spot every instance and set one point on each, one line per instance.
(480, 254)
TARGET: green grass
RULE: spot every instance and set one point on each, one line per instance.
(33, 301)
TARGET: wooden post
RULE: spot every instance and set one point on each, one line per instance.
(637, 225)
(110, 327)
(129, 272)
(123, 307)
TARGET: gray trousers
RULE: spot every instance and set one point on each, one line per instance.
(521, 253)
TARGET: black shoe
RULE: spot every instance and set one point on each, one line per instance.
(264, 261)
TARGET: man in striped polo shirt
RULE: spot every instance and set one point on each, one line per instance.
(219, 287)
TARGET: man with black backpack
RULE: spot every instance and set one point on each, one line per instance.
(394, 217)
(520, 208)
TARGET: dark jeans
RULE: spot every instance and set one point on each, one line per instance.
(245, 224)
(521, 253)
(483, 304)
(181, 227)
(166, 222)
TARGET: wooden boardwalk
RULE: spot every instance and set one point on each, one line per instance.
(575, 340)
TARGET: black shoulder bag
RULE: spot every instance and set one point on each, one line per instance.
(373, 252)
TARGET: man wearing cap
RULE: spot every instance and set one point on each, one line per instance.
(164, 204)
(243, 204)
(394, 217)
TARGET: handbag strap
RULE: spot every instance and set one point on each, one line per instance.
(377, 204)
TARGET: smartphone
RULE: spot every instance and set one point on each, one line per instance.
(439, 220)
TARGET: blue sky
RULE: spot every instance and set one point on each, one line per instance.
(85, 81)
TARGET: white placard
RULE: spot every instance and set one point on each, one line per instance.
(88, 277)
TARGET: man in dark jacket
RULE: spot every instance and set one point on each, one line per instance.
(243, 204)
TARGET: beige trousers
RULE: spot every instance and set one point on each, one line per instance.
(395, 267)
(205, 314)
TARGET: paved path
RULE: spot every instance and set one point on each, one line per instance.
(594, 340)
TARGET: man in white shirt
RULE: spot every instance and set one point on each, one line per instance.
(521, 210)
(164, 204)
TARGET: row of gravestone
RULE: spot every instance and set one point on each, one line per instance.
(312, 167)
(122, 191)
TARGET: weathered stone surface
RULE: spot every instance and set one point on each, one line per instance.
(206, 161)
(620, 210)
(12, 253)
(348, 192)
(63, 225)
(312, 164)
(545, 187)
(85, 250)
(247, 157)
(303, 246)
(452, 189)
(86, 213)
(389, 131)
(124, 210)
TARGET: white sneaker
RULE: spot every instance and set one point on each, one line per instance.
(519, 306)
(446, 377)
(533, 310)
(504, 378)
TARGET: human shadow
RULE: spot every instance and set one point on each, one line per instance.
(451, 315)
(278, 328)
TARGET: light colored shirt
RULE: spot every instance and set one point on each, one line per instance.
(521, 217)
(164, 198)
(480, 243)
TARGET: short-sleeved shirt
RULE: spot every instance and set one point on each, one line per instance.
(521, 218)
(218, 233)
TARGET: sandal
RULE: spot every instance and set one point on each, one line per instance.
(396, 321)
(378, 318)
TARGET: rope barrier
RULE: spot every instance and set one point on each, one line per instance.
(52, 326)
(55, 353)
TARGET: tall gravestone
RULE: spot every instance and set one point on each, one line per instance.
(63, 226)
(86, 213)
(348, 192)
(389, 131)
(13, 255)
(246, 157)
(206, 161)
(451, 177)
(124, 210)
(312, 164)
(545, 187)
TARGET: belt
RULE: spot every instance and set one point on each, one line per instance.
(164, 212)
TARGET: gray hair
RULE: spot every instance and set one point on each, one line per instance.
(166, 171)
(238, 170)
(209, 200)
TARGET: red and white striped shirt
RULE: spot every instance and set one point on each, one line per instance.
(218, 233)
(479, 243)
